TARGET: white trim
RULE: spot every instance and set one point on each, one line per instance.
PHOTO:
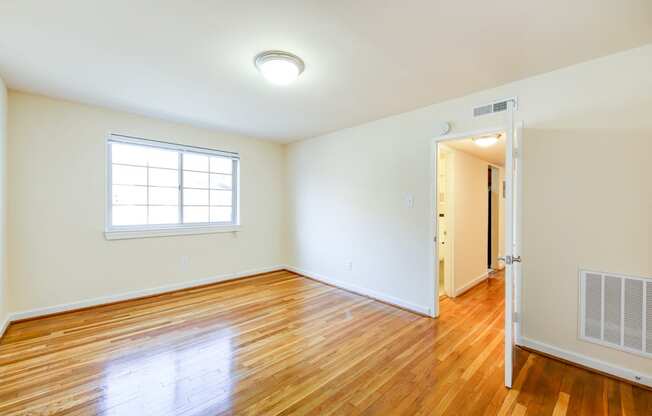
(595, 364)
(139, 293)
(165, 232)
(519, 129)
(433, 238)
(509, 243)
(5, 325)
(510, 127)
(420, 309)
(33, 313)
(468, 134)
(434, 207)
(124, 138)
(136, 231)
(472, 283)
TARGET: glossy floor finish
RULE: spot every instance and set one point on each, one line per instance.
(280, 344)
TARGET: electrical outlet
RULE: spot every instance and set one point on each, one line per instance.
(349, 265)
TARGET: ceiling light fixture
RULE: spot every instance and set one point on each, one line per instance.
(486, 141)
(278, 67)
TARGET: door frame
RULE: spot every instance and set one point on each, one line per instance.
(517, 188)
(497, 169)
(449, 270)
(434, 207)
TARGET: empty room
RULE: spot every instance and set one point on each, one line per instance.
(325, 208)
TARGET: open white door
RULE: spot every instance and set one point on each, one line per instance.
(512, 241)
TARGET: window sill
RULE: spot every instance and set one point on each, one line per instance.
(167, 232)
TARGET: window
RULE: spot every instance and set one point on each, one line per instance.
(157, 188)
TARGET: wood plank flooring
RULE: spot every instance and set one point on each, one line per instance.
(280, 344)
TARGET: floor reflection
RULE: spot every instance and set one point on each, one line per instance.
(188, 378)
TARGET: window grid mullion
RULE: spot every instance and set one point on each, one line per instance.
(234, 190)
(148, 186)
(131, 165)
(180, 188)
(180, 166)
(109, 195)
(147, 192)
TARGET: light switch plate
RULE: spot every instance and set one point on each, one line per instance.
(409, 200)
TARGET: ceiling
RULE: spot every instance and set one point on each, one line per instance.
(193, 61)
(493, 154)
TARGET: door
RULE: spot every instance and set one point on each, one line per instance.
(512, 257)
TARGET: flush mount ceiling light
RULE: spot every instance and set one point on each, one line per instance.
(486, 141)
(278, 67)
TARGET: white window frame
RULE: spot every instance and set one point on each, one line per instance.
(116, 232)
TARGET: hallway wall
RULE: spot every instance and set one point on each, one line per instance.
(470, 220)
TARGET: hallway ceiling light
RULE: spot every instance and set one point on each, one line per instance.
(278, 67)
(486, 141)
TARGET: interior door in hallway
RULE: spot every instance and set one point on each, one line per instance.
(512, 258)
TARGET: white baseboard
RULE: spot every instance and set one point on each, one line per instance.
(16, 316)
(421, 310)
(581, 359)
(472, 283)
(588, 362)
(3, 326)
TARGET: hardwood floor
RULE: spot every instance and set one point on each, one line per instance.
(280, 344)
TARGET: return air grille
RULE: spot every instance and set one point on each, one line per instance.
(616, 311)
(495, 107)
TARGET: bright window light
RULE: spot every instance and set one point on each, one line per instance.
(154, 185)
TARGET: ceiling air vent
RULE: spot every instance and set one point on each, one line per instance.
(495, 107)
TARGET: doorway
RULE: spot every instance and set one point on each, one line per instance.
(510, 190)
(469, 172)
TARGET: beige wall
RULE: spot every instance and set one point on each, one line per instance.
(606, 223)
(587, 144)
(56, 208)
(470, 216)
(4, 280)
(347, 189)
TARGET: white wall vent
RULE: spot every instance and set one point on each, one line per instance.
(616, 311)
(495, 107)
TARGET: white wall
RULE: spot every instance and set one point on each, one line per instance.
(56, 208)
(470, 215)
(4, 280)
(347, 189)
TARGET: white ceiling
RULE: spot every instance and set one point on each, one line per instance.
(191, 61)
(493, 154)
